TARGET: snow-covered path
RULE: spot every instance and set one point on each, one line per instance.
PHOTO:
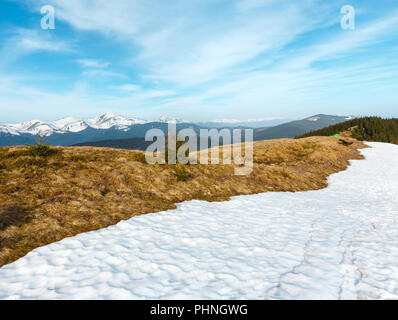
(339, 242)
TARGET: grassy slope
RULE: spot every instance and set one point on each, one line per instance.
(43, 200)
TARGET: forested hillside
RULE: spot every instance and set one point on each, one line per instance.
(367, 128)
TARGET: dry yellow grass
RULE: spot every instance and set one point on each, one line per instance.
(79, 189)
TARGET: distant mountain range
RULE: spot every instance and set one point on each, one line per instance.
(251, 123)
(286, 130)
(71, 125)
(110, 127)
(298, 127)
(69, 131)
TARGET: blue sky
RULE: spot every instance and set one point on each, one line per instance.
(198, 60)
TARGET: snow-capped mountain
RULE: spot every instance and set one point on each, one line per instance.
(65, 125)
(105, 121)
(69, 131)
(164, 119)
(109, 120)
(7, 129)
(33, 127)
(70, 125)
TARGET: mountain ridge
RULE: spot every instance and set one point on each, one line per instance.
(110, 126)
(298, 127)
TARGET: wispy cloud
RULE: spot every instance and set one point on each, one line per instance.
(23, 42)
(92, 63)
(201, 45)
(102, 73)
(129, 87)
(218, 59)
(347, 42)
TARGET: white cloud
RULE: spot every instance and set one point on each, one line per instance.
(102, 73)
(129, 87)
(25, 41)
(91, 63)
(347, 42)
(218, 59)
(189, 42)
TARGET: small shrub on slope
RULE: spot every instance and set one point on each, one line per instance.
(182, 173)
(345, 143)
(41, 150)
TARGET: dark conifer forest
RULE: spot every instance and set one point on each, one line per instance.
(364, 129)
